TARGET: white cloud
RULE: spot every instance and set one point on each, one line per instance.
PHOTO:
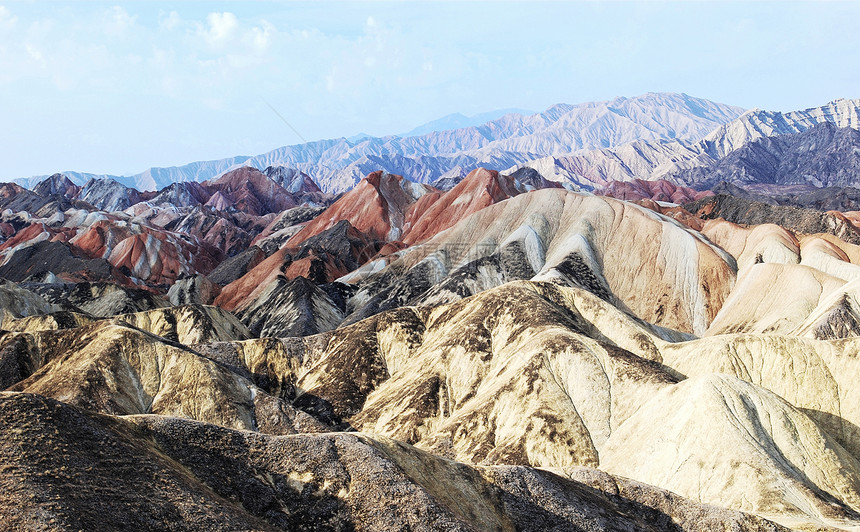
(261, 36)
(169, 22)
(34, 54)
(221, 28)
(118, 22)
(7, 19)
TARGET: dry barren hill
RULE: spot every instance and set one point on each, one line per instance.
(578, 384)
(66, 468)
(496, 353)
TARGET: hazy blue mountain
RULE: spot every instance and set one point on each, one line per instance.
(459, 121)
(513, 139)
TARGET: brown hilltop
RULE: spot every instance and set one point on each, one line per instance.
(481, 188)
(378, 206)
(657, 190)
(383, 213)
(248, 190)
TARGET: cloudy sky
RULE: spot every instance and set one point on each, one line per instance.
(120, 87)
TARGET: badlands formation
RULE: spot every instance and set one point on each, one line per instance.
(493, 351)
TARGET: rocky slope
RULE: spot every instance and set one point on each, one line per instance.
(822, 156)
(191, 476)
(471, 381)
(104, 231)
(604, 245)
(741, 211)
(494, 353)
(758, 123)
(660, 190)
(662, 159)
(394, 213)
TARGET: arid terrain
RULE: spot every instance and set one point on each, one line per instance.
(641, 314)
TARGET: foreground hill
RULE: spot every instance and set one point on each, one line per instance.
(190, 476)
(580, 383)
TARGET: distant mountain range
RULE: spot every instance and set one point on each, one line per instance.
(675, 137)
(460, 121)
(651, 160)
(511, 140)
(824, 155)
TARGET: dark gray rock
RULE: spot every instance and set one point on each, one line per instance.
(236, 266)
(197, 289)
(100, 299)
(822, 156)
(743, 211)
(33, 262)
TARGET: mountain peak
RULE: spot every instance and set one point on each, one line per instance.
(499, 139)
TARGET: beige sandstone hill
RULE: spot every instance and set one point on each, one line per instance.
(475, 381)
(836, 316)
(69, 469)
(788, 284)
(663, 272)
(749, 245)
(187, 324)
(112, 368)
(528, 373)
(48, 322)
(818, 377)
(485, 387)
(722, 440)
(773, 298)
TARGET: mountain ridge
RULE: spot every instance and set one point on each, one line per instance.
(497, 144)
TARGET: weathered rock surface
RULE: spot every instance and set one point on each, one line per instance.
(730, 431)
(659, 190)
(101, 300)
(18, 302)
(189, 324)
(805, 196)
(741, 211)
(68, 469)
(112, 368)
(604, 245)
(237, 266)
(108, 195)
(652, 159)
(40, 259)
(378, 206)
(475, 381)
(291, 308)
(248, 190)
(710, 349)
(197, 289)
(393, 213)
(773, 298)
(822, 156)
(57, 184)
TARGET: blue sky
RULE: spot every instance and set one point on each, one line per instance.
(119, 87)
